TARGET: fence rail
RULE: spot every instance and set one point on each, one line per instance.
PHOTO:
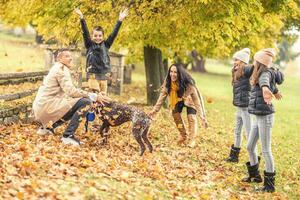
(22, 111)
(7, 76)
(10, 97)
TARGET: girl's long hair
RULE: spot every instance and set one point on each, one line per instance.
(184, 79)
(237, 74)
(258, 69)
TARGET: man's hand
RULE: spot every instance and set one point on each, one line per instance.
(267, 94)
(123, 14)
(278, 95)
(101, 98)
(78, 12)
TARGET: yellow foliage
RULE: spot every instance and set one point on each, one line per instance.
(214, 28)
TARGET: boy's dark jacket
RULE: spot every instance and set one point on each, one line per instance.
(98, 61)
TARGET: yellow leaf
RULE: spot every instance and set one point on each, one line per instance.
(107, 108)
(115, 116)
(20, 195)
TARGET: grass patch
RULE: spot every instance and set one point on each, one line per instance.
(19, 54)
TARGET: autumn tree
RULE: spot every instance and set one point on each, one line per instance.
(286, 53)
(160, 29)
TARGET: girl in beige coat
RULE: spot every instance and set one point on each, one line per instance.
(58, 100)
(182, 92)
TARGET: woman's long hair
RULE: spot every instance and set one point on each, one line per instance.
(258, 69)
(183, 78)
(237, 73)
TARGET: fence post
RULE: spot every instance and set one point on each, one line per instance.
(49, 58)
(127, 73)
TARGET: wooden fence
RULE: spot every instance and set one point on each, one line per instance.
(22, 112)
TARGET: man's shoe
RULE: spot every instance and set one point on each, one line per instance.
(45, 131)
(70, 140)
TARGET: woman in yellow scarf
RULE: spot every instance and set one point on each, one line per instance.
(180, 87)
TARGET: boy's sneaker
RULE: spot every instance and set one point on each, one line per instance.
(70, 140)
(45, 131)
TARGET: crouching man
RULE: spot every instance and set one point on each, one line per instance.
(58, 100)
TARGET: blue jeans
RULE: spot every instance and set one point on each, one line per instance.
(242, 119)
(75, 115)
(261, 126)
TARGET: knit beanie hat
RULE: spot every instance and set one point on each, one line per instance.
(265, 56)
(243, 55)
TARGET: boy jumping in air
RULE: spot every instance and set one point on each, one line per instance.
(98, 61)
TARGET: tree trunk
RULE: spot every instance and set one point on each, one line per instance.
(161, 68)
(153, 66)
(39, 38)
(165, 70)
(198, 63)
(166, 66)
(127, 74)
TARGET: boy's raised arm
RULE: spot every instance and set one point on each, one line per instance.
(114, 33)
(85, 30)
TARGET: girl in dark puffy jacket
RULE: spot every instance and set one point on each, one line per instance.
(264, 82)
(241, 88)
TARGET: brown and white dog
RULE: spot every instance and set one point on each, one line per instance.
(115, 114)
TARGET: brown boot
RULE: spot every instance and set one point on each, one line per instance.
(180, 126)
(193, 129)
